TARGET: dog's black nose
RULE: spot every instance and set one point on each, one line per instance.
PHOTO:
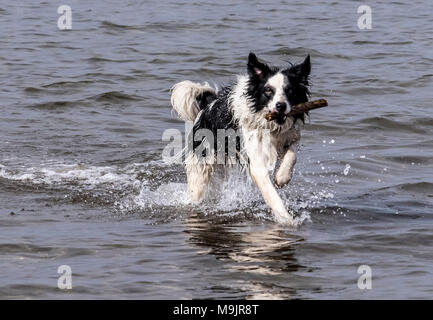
(281, 106)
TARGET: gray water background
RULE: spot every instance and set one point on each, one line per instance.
(82, 182)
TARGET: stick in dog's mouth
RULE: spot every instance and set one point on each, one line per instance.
(299, 108)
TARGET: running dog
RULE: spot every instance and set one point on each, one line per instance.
(243, 106)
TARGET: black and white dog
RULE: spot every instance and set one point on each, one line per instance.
(243, 107)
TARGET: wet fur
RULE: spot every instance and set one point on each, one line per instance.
(243, 107)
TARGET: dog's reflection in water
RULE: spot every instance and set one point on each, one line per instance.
(259, 258)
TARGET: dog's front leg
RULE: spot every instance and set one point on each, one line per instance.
(285, 171)
(261, 178)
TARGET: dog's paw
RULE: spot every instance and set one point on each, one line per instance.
(284, 218)
(282, 179)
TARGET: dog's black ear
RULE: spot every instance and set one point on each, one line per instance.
(302, 71)
(256, 69)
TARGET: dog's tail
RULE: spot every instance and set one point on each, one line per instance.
(188, 98)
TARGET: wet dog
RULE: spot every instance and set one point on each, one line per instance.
(242, 107)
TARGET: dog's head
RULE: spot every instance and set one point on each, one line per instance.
(275, 90)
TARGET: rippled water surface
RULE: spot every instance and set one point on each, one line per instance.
(82, 181)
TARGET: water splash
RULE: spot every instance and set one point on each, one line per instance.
(155, 189)
(65, 174)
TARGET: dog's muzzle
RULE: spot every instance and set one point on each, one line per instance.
(279, 114)
(281, 107)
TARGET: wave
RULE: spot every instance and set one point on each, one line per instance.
(154, 26)
(383, 124)
(302, 51)
(115, 96)
(52, 105)
(115, 26)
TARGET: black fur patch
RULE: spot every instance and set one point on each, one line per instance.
(205, 98)
(298, 90)
(216, 115)
(258, 74)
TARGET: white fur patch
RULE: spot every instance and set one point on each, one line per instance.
(184, 98)
(255, 127)
(277, 82)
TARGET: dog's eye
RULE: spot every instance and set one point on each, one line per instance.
(268, 91)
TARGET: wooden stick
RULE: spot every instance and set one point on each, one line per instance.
(299, 108)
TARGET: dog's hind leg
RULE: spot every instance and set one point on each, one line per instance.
(285, 171)
(198, 176)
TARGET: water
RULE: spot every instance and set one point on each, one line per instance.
(82, 182)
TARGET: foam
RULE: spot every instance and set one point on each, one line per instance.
(63, 173)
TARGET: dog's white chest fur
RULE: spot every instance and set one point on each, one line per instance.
(261, 138)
